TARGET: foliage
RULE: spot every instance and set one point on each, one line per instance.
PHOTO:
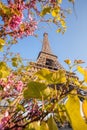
(42, 103)
(73, 104)
(45, 100)
(20, 17)
(35, 90)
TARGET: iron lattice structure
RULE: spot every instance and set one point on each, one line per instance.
(46, 59)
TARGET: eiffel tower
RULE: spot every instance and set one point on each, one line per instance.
(46, 59)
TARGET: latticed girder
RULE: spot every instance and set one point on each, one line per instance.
(46, 58)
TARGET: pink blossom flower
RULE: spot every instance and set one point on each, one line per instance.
(19, 86)
(32, 4)
(28, 30)
(30, 17)
(5, 119)
(2, 82)
(15, 22)
(1, 126)
(7, 87)
(6, 114)
(20, 5)
(30, 27)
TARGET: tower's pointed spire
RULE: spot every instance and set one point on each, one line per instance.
(46, 46)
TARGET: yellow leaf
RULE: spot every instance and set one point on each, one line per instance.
(63, 23)
(2, 41)
(84, 108)
(84, 87)
(80, 69)
(55, 11)
(71, 1)
(67, 61)
(58, 30)
(1, 47)
(4, 70)
(58, 16)
(22, 26)
(73, 109)
(83, 72)
(16, 61)
(44, 126)
(6, 10)
(34, 126)
(45, 11)
(52, 124)
(85, 75)
(59, 1)
(43, 74)
(78, 61)
(76, 82)
(58, 77)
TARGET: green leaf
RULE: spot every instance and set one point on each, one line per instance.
(27, 128)
(16, 61)
(1, 88)
(34, 126)
(20, 107)
(46, 10)
(5, 10)
(43, 74)
(52, 124)
(35, 90)
(44, 126)
(52, 77)
(73, 109)
(71, 1)
(58, 77)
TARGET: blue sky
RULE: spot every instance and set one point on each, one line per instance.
(72, 45)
